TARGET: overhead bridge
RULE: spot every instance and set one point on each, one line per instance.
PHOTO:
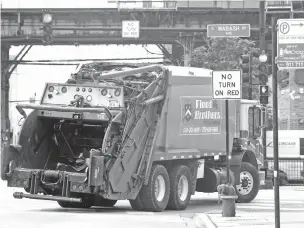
(181, 24)
(161, 22)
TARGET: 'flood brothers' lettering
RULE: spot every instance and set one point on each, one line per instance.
(199, 115)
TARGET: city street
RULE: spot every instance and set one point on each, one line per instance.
(108, 99)
(29, 213)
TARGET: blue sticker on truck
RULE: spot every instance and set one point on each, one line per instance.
(200, 116)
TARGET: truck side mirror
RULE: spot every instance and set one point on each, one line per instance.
(254, 118)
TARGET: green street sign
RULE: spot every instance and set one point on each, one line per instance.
(228, 30)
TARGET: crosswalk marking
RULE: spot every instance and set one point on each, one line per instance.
(268, 205)
(281, 201)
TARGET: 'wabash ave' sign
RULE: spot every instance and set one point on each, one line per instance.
(226, 85)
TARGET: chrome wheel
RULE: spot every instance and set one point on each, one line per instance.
(246, 183)
(183, 188)
(160, 188)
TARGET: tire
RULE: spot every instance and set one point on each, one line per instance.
(180, 175)
(74, 205)
(107, 203)
(158, 177)
(249, 185)
(137, 204)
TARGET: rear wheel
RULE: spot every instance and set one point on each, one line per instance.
(155, 195)
(249, 185)
(180, 185)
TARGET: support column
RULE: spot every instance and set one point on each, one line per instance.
(188, 46)
(187, 42)
(5, 122)
(177, 53)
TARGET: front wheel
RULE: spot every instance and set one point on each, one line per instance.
(249, 185)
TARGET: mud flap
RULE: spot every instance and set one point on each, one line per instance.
(8, 153)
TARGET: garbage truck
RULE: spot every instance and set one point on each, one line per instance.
(152, 135)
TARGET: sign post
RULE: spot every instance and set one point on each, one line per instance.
(283, 28)
(227, 85)
(290, 43)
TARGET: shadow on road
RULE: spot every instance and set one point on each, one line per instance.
(197, 205)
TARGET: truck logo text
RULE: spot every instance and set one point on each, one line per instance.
(200, 115)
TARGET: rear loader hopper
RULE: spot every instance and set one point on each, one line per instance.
(152, 135)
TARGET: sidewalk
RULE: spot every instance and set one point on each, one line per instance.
(249, 220)
(258, 219)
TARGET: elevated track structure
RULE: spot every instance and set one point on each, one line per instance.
(181, 24)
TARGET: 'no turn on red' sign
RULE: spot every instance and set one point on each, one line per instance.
(226, 85)
(130, 29)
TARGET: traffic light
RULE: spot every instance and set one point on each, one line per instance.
(47, 37)
(264, 93)
(263, 73)
(245, 67)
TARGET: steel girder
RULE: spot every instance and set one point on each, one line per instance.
(6, 71)
(24, 26)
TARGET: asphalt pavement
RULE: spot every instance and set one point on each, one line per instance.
(28, 213)
(15, 213)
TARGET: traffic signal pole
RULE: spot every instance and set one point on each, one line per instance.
(250, 89)
(262, 20)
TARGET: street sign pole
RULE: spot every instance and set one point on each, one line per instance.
(227, 140)
(275, 122)
(227, 85)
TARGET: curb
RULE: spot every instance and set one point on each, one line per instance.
(203, 221)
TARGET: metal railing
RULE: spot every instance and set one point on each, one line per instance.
(291, 170)
(146, 4)
(175, 4)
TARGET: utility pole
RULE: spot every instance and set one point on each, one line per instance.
(262, 20)
(275, 122)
